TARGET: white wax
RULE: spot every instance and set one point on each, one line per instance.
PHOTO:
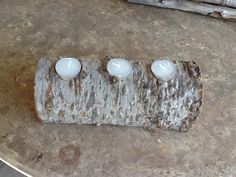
(119, 67)
(68, 68)
(163, 69)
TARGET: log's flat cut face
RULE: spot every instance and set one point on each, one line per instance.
(94, 97)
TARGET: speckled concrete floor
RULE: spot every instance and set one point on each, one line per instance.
(30, 29)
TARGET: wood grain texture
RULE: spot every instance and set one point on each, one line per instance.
(138, 100)
(229, 3)
(191, 6)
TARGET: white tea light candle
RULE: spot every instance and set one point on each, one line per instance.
(163, 69)
(68, 68)
(119, 67)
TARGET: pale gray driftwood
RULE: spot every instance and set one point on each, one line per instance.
(195, 7)
(138, 100)
(229, 3)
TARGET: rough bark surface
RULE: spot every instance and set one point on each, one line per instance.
(138, 100)
(216, 11)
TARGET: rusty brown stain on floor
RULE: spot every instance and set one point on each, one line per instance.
(70, 154)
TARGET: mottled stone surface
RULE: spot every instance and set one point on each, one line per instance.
(30, 29)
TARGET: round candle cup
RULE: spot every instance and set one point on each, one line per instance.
(164, 70)
(68, 68)
(119, 67)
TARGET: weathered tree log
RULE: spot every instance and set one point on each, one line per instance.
(195, 7)
(229, 3)
(138, 100)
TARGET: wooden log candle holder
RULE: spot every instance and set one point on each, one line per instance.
(140, 99)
